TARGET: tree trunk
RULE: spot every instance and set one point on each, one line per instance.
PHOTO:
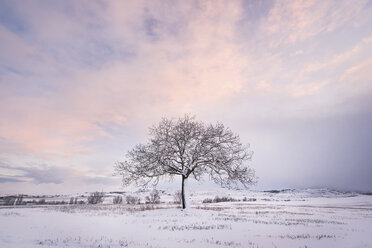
(183, 192)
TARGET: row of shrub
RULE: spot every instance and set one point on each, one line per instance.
(13, 200)
(226, 199)
(93, 198)
(16, 201)
(44, 202)
(19, 200)
(153, 198)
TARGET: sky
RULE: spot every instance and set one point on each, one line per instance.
(82, 81)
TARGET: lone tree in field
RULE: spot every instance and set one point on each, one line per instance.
(187, 147)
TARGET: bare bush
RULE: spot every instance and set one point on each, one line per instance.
(117, 199)
(19, 200)
(208, 200)
(96, 197)
(73, 200)
(153, 198)
(132, 200)
(245, 199)
(177, 197)
(9, 200)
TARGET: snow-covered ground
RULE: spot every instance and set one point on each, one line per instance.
(291, 218)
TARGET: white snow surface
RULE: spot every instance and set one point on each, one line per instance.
(290, 218)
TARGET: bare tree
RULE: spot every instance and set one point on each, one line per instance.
(187, 147)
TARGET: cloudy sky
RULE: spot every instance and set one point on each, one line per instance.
(81, 82)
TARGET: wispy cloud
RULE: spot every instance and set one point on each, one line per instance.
(9, 180)
(47, 174)
(294, 21)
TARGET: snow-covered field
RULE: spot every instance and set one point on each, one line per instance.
(292, 218)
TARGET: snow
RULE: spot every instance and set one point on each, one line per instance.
(292, 218)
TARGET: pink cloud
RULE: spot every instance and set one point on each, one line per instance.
(296, 21)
